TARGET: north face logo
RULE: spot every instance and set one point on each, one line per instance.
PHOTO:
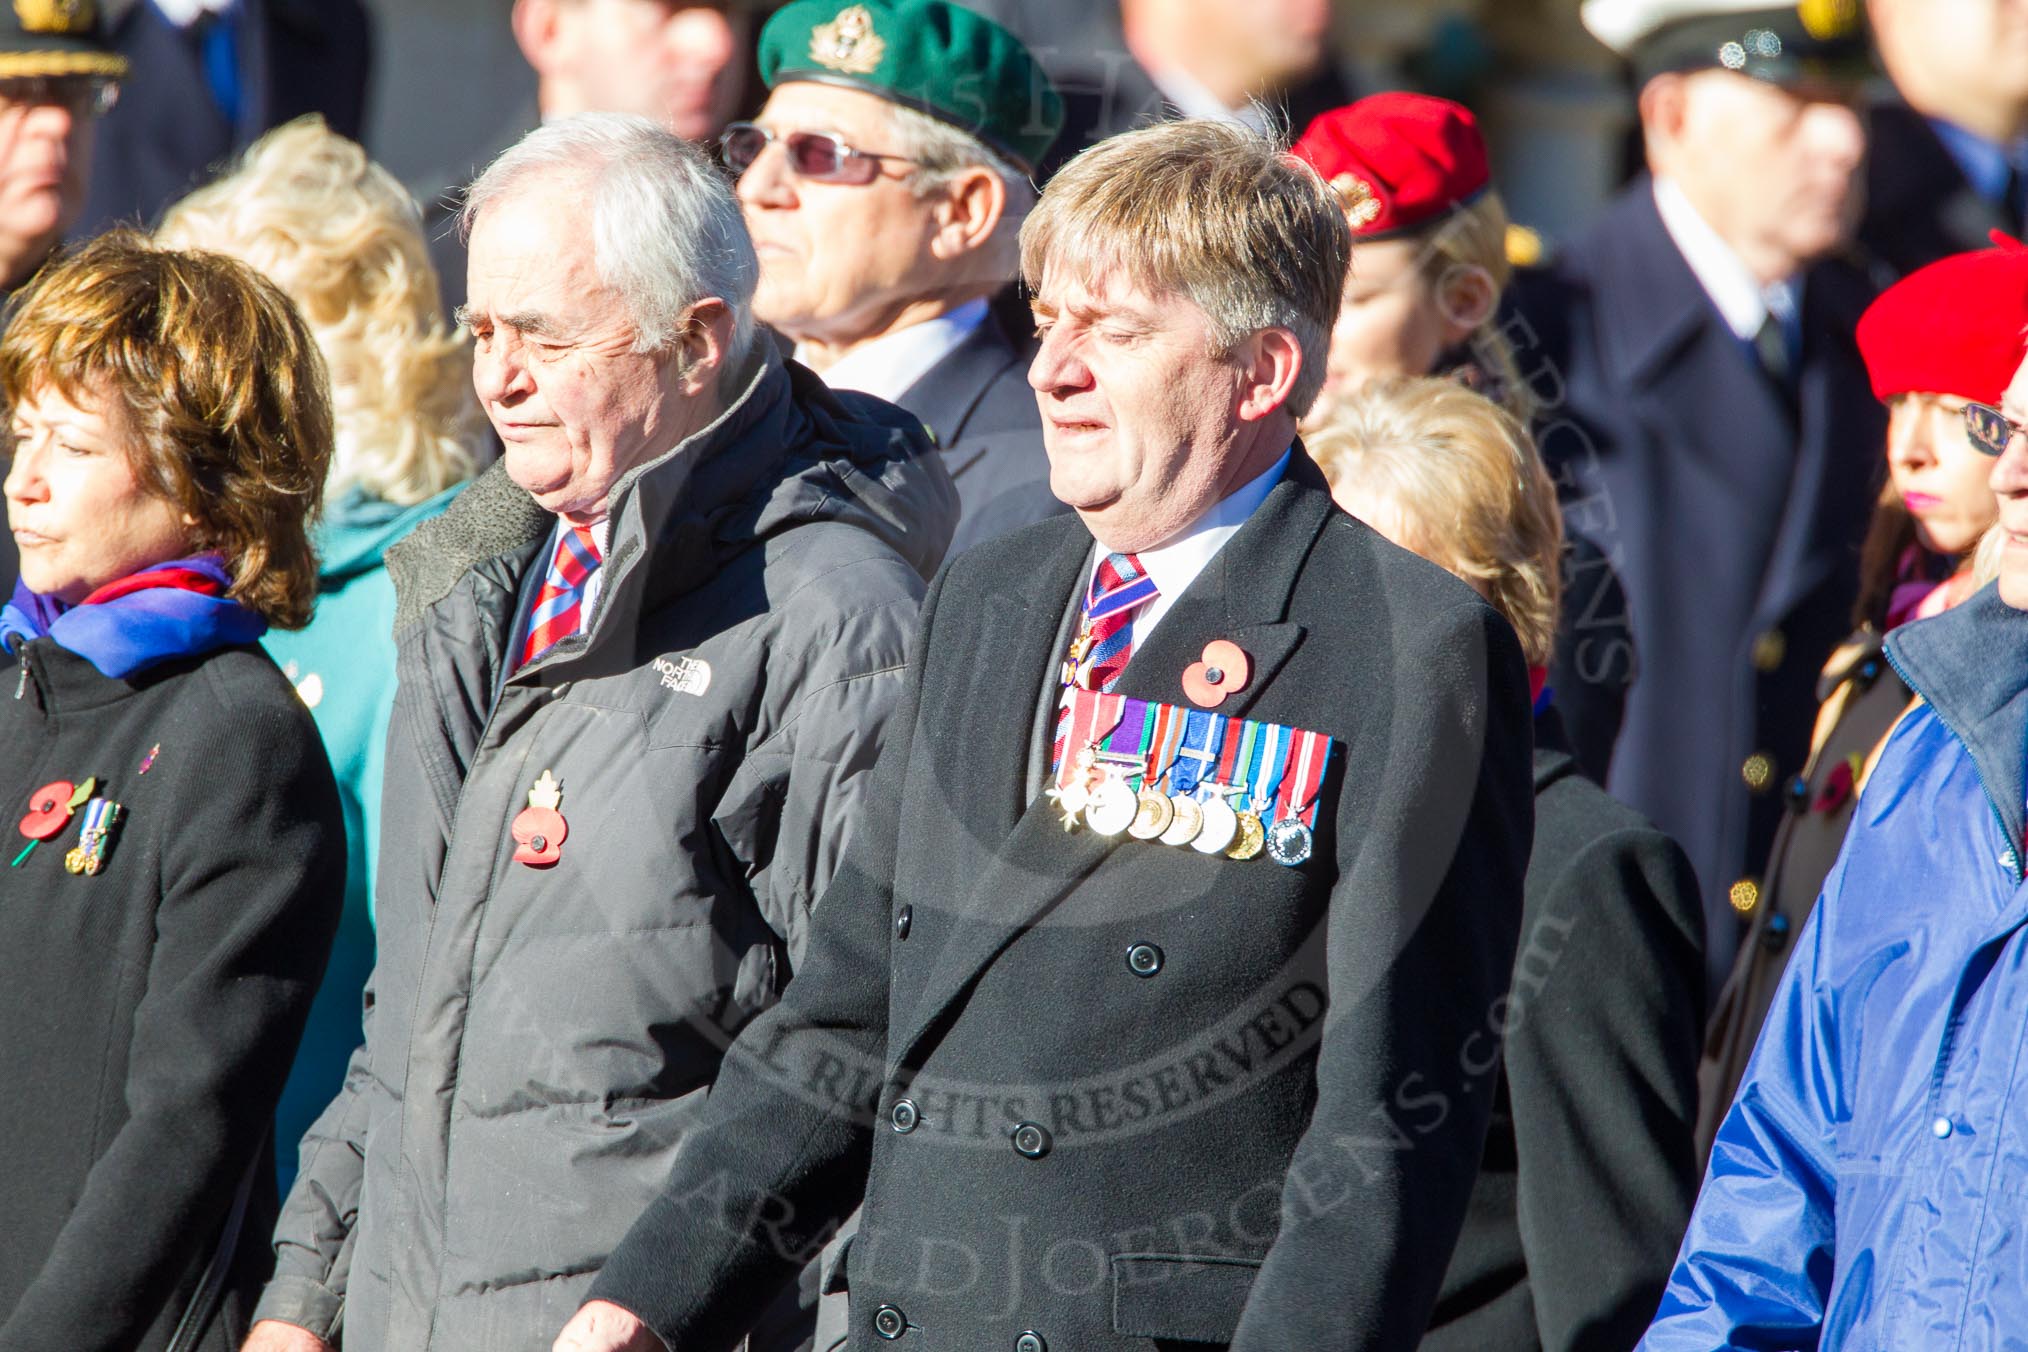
(685, 675)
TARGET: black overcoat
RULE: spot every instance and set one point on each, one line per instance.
(151, 1012)
(1589, 1170)
(1124, 1094)
(1731, 516)
(978, 406)
(1919, 205)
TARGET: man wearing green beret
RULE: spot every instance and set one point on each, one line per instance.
(884, 184)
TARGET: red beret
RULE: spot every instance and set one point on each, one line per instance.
(1955, 327)
(1398, 161)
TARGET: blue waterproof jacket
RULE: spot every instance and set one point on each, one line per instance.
(1869, 1186)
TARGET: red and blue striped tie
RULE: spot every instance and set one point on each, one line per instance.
(559, 604)
(1119, 588)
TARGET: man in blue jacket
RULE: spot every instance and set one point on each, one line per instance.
(1865, 1187)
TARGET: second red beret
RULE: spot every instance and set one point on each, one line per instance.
(1957, 327)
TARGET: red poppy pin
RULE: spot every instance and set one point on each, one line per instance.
(1223, 670)
(49, 811)
(539, 829)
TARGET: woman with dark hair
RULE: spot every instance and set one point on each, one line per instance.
(1940, 346)
(179, 859)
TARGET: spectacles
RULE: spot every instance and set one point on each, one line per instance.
(82, 95)
(820, 156)
(1990, 430)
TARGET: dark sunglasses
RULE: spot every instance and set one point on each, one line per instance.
(1989, 429)
(82, 95)
(820, 156)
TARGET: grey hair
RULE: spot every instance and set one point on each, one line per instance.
(666, 229)
(941, 152)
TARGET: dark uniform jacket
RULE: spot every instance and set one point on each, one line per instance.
(151, 1011)
(1919, 205)
(1589, 1172)
(1863, 699)
(978, 406)
(1115, 1095)
(1731, 516)
(167, 132)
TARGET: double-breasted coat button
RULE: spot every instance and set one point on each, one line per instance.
(889, 1322)
(1758, 772)
(1030, 1341)
(1744, 895)
(1144, 959)
(1032, 1140)
(1769, 648)
(904, 1116)
(902, 920)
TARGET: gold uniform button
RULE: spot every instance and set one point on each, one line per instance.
(1745, 895)
(1758, 772)
(1769, 650)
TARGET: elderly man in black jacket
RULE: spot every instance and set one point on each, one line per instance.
(645, 665)
(1175, 1049)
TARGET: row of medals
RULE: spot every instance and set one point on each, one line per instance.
(1102, 797)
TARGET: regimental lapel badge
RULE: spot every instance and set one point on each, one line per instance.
(848, 43)
(95, 841)
(1356, 195)
(539, 829)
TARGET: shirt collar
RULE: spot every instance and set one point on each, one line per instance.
(1175, 565)
(1192, 99)
(1986, 165)
(184, 13)
(1742, 302)
(888, 365)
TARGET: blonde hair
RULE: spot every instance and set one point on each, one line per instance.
(1212, 211)
(334, 230)
(1475, 236)
(1466, 475)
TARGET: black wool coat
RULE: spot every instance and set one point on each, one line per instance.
(1732, 513)
(1589, 1171)
(1103, 1094)
(150, 1012)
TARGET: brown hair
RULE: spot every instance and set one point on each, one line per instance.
(221, 383)
(1467, 475)
(1208, 210)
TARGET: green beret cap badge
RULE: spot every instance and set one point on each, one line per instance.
(934, 56)
(848, 43)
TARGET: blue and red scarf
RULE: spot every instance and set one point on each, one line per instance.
(174, 609)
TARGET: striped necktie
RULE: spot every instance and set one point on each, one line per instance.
(1119, 588)
(559, 604)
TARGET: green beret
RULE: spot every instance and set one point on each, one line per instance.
(55, 37)
(933, 56)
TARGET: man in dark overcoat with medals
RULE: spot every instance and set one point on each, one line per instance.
(1157, 999)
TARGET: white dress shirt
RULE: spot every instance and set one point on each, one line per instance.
(184, 13)
(1175, 566)
(1743, 303)
(1192, 99)
(888, 365)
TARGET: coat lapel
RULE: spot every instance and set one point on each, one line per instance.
(948, 392)
(1242, 595)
